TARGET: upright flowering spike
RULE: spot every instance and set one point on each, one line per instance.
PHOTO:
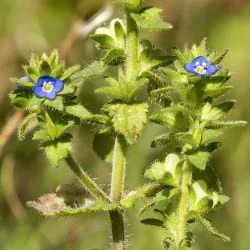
(48, 87)
(200, 66)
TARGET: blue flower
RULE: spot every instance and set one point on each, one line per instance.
(200, 66)
(24, 79)
(47, 86)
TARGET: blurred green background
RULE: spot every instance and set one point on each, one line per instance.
(40, 26)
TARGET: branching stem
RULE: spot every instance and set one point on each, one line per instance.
(88, 183)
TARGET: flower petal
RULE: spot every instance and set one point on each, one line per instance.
(38, 91)
(57, 85)
(200, 60)
(211, 70)
(189, 67)
(50, 95)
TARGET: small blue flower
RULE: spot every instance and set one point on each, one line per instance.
(47, 86)
(200, 66)
(25, 79)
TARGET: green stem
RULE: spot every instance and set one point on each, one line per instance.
(132, 49)
(117, 186)
(182, 210)
(88, 183)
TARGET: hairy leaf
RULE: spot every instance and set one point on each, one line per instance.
(150, 18)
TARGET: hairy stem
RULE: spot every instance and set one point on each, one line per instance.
(88, 183)
(117, 186)
(182, 210)
(132, 49)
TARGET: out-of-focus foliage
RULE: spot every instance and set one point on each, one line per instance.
(27, 26)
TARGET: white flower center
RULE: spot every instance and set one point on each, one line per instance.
(47, 86)
(201, 69)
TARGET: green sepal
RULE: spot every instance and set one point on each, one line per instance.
(150, 18)
(128, 119)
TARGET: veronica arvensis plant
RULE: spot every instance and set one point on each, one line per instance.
(185, 85)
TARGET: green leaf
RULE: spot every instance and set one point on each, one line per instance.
(175, 76)
(56, 103)
(166, 173)
(52, 205)
(119, 32)
(95, 69)
(170, 117)
(130, 4)
(199, 159)
(153, 222)
(209, 135)
(103, 145)
(105, 40)
(161, 97)
(128, 119)
(209, 113)
(57, 151)
(68, 72)
(206, 223)
(114, 57)
(146, 191)
(218, 58)
(19, 98)
(150, 18)
(215, 90)
(25, 123)
(161, 140)
(78, 111)
(155, 80)
(152, 58)
(225, 124)
(166, 194)
(122, 89)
